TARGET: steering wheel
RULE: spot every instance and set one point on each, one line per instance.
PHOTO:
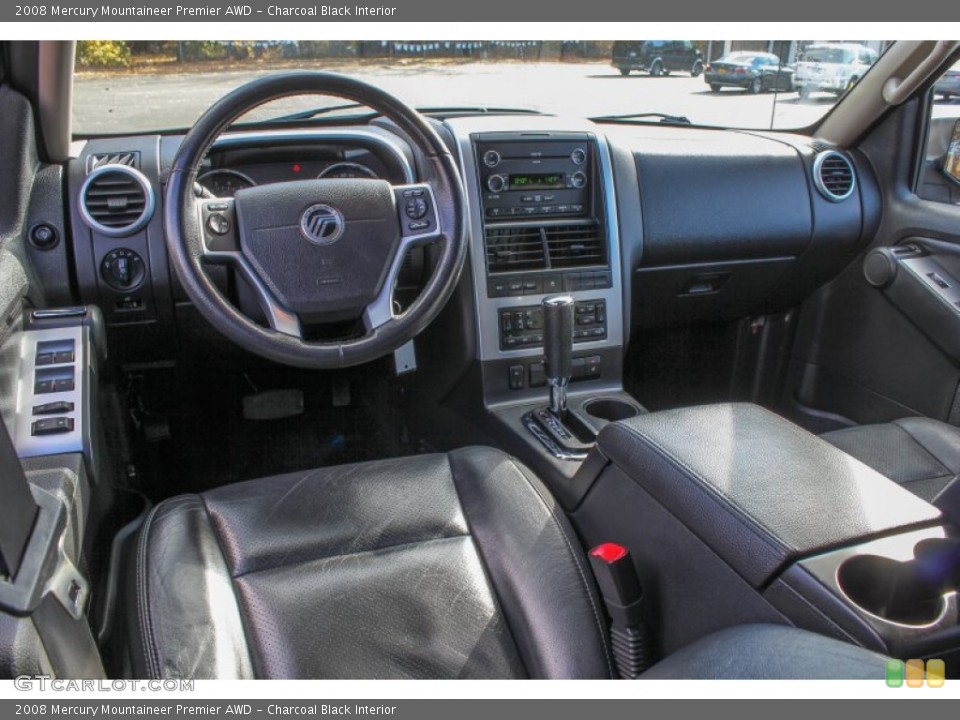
(316, 251)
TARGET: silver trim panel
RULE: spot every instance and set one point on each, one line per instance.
(488, 338)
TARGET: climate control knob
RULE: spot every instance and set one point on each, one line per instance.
(578, 179)
(497, 183)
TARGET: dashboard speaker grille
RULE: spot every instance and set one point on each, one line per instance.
(116, 200)
(833, 175)
(544, 247)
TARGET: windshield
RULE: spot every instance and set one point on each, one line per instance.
(124, 87)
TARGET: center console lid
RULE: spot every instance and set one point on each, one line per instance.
(758, 490)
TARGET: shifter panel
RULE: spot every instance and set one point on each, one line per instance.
(522, 327)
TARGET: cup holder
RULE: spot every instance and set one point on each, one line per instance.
(610, 409)
(907, 593)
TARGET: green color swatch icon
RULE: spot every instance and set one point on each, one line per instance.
(894, 673)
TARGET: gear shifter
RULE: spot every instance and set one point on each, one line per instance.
(558, 350)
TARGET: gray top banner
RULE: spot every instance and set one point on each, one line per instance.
(488, 10)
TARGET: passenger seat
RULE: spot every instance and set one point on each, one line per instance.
(921, 454)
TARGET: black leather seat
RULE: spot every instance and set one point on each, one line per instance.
(921, 454)
(434, 566)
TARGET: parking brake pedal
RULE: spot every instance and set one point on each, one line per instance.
(273, 405)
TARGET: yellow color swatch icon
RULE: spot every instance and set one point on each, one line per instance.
(936, 673)
(914, 673)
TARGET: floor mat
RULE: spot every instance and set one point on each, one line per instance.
(199, 438)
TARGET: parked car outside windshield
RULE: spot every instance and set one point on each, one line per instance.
(753, 72)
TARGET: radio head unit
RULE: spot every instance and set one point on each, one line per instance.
(523, 177)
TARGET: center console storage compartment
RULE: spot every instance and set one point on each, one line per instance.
(734, 515)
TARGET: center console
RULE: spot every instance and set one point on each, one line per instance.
(543, 225)
(735, 515)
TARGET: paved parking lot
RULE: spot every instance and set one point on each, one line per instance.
(129, 102)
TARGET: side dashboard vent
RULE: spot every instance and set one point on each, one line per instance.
(833, 176)
(116, 200)
(575, 246)
(544, 247)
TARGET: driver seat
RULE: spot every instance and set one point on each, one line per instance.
(434, 566)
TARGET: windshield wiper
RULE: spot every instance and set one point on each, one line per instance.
(663, 118)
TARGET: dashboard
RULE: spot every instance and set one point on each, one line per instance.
(644, 225)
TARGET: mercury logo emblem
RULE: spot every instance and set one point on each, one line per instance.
(322, 224)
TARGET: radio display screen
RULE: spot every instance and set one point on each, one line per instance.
(546, 181)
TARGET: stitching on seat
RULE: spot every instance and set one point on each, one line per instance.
(385, 548)
(722, 501)
(478, 549)
(208, 516)
(601, 627)
(147, 639)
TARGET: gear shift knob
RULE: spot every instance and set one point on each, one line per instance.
(558, 349)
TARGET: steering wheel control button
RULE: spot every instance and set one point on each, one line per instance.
(218, 224)
(122, 269)
(52, 426)
(416, 208)
(53, 408)
(322, 224)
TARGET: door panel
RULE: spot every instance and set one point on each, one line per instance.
(867, 354)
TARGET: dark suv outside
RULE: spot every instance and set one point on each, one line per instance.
(657, 57)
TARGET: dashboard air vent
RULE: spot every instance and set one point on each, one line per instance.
(833, 176)
(515, 248)
(544, 247)
(575, 246)
(116, 200)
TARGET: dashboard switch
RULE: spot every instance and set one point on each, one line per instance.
(516, 377)
(52, 426)
(53, 408)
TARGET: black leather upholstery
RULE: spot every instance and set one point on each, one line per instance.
(765, 652)
(432, 566)
(921, 454)
(756, 488)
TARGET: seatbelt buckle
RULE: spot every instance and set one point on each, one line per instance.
(619, 584)
(623, 596)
